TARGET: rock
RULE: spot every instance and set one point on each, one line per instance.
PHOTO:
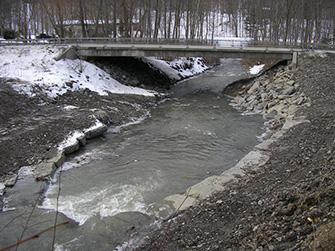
(262, 105)
(274, 94)
(271, 104)
(253, 159)
(181, 201)
(277, 135)
(59, 159)
(250, 107)
(265, 145)
(289, 210)
(284, 114)
(71, 147)
(240, 100)
(96, 131)
(289, 91)
(254, 87)
(44, 170)
(283, 97)
(270, 86)
(301, 100)
(292, 109)
(279, 88)
(291, 82)
(293, 121)
(278, 116)
(251, 98)
(206, 187)
(266, 82)
(264, 97)
(2, 189)
(270, 115)
(280, 108)
(82, 139)
(102, 116)
(10, 180)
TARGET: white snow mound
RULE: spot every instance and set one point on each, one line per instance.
(37, 69)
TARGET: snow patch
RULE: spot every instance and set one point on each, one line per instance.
(179, 68)
(71, 140)
(187, 67)
(70, 107)
(256, 69)
(95, 126)
(38, 71)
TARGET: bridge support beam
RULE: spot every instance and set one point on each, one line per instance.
(70, 53)
(294, 60)
(176, 51)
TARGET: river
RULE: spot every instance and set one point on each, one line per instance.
(113, 189)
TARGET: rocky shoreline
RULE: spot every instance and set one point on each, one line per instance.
(274, 95)
(279, 196)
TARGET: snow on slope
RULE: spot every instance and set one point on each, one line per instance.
(181, 67)
(37, 69)
(256, 69)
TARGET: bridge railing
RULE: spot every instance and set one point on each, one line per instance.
(105, 40)
(162, 41)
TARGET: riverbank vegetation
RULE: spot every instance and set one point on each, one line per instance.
(289, 21)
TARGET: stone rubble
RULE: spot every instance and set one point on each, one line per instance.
(275, 97)
(44, 170)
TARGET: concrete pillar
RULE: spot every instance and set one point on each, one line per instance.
(294, 60)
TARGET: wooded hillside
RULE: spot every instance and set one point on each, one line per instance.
(289, 21)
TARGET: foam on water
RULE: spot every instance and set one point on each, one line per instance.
(111, 200)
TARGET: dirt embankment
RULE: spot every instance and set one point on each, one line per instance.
(31, 128)
(286, 204)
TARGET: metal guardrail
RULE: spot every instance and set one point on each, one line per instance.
(162, 41)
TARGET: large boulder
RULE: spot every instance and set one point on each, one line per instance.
(289, 91)
(96, 131)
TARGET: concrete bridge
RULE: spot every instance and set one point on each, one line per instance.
(146, 47)
(161, 50)
(107, 47)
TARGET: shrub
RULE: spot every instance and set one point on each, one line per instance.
(43, 35)
(9, 34)
(326, 40)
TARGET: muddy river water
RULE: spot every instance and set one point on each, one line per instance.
(113, 189)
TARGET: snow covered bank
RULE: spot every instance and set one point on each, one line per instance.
(37, 71)
(180, 68)
(256, 69)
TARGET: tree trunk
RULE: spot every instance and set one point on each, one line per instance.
(82, 19)
(114, 20)
(157, 18)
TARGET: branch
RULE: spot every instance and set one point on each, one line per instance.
(34, 236)
(168, 227)
(56, 218)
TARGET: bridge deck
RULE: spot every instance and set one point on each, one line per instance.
(146, 50)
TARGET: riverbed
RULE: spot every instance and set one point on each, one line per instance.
(113, 189)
